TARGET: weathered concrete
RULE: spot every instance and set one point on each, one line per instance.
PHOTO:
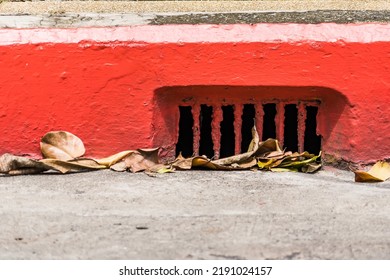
(194, 215)
(91, 19)
(56, 7)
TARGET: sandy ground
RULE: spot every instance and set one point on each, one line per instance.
(194, 215)
(41, 7)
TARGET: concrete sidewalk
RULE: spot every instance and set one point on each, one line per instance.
(194, 215)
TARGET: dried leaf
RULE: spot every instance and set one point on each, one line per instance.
(111, 160)
(119, 167)
(61, 145)
(266, 164)
(142, 159)
(25, 171)
(72, 165)
(162, 168)
(254, 144)
(244, 157)
(233, 159)
(295, 162)
(269, 145)
(311, 167)
(16, 165)
(203, 162)
(249, 163)
(278, 169)
(182, 163)
(378, 173)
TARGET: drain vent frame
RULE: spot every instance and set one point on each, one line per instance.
(305, 126)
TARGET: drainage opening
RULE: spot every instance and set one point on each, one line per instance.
(227, 132)
(312, 140)
(269, 126)
(291, 127)
(185, 142)
(222, 131)
(206, 146)
(248, 120)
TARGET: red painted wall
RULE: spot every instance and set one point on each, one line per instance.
(106, 85)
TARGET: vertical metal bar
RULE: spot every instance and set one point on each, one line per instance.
(196, 128)
(216, 130)
(301, 126)
(237, 128)
(259, 119)
(279, 122)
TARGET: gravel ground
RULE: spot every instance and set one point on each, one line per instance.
(42, 7)
(194, 215)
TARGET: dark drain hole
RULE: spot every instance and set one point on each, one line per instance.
(269, 126)
(185, 145)
(312, 140)
(227, 132)
(291, 127)
(206, 146)
(248, 116)
(185, 141)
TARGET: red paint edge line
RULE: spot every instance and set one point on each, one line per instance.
(325, 32)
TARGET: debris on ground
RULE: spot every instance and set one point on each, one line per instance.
(62, 151)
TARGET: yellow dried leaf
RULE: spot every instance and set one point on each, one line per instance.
(111, 160)
(265, 165)
(378, 173)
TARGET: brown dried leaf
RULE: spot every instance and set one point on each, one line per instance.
(249, 163)
(254, 144)
(61, 145)
(182, 163)
(119, 167)
(142, 159)
(267, 146)
(233, 159)
(72, 165)
(311, 167)
(15, 165)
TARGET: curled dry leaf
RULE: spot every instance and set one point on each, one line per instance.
(61, 145)
(111, 160)
(378, 173)
(254, 144)
(16, 165)
(182, 163)
(142, 159)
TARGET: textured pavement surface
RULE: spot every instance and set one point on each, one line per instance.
(194, 215)
(72, 14)
(39, 7)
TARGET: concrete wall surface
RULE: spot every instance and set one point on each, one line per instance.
(116, 88)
